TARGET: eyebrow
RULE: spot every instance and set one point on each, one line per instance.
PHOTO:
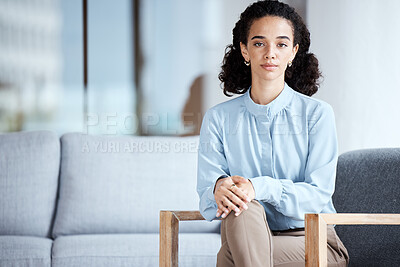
(262, 37)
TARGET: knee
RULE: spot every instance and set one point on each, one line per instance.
(255, 209)
(255, 205)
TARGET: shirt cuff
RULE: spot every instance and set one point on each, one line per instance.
(210, 194)
(267, 189)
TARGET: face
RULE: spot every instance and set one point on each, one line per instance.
(269, 48)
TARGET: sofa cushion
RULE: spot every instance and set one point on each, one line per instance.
(29, 168)
(132, 250)
(24, 251)
(367, 181)
(119, 184)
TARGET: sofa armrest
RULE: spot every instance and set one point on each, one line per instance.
(316, 231)
(169, 234)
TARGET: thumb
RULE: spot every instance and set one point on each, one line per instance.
(239, 179)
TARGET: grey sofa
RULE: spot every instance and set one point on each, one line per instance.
(86, 200)
(368, 181)
(83, 200)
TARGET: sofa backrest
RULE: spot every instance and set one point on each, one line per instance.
(29, 168)
(368, 181)
(119, 184)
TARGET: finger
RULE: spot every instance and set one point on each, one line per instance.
(222, 208)
(227, 205)
(237, 190)
(234, 202)
(227, 184)
(238, 213)
(230, 206)
(236, 197)
(224, 215)
(244, 188)
(219, 212)
(238, 204)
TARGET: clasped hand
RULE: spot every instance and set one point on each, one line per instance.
(232, 194)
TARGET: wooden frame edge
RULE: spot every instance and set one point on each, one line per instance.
(169, 234)
(315, 240)
(361, 218)
(315, 235)
(316, 231)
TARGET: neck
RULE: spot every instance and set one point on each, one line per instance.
(264, 92)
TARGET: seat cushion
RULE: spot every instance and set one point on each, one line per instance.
(29, 168)
(120, 184)
(367, 181)
(132, 250)
(24, 251)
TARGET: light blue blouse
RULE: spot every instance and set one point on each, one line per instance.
(288, 150)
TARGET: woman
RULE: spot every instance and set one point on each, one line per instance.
(269, 156)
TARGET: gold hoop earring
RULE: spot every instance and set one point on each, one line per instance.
(289, 64)
(247, 63)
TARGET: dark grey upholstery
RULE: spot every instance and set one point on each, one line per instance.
(368, 181)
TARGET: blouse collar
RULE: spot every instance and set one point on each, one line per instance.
(268, 111)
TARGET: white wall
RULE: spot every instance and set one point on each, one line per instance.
(357, 43)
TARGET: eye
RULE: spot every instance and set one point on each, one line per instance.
(259, 44)
(282, 45)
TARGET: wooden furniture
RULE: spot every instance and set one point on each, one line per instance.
(169, 234)
(367, 193)
(316, 228)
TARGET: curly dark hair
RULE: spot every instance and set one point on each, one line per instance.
(302, 76)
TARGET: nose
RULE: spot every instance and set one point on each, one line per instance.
(270, 52)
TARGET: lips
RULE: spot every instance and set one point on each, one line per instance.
(269, 66)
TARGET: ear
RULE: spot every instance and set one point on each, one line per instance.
(245, 53)
(294, 52)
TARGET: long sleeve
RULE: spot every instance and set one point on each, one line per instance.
(294, 199)
(287, 148)
(211, 163)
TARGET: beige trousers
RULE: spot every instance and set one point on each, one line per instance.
(247, 241)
